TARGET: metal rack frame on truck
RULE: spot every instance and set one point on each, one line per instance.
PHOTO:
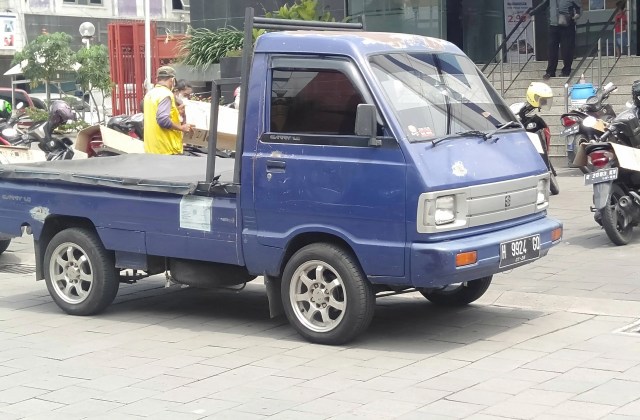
(252, 22)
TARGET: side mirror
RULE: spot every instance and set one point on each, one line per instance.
(367, 124)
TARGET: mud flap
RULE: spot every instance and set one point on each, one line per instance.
(273, 294)
(601, 194)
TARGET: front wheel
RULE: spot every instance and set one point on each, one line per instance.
(614, 221)
(458, 294)
(553, 184)
(325, 294)
(80, 273)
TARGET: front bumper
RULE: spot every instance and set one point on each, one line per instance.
(434, 264)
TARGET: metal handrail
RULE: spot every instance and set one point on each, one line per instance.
(504, 43)
(507, 38)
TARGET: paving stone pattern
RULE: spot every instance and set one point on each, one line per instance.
(541, 344)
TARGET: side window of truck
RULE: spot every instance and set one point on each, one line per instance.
(322, 102)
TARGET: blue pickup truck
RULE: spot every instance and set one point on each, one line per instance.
(367, 164)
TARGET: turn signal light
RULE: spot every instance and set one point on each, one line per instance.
(556, 234)
(599, 158)
(466, 258)
(568, 121)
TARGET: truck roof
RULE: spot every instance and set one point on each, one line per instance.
(349, 43)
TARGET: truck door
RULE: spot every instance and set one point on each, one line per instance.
(313, 174)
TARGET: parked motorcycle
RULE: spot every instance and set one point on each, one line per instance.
(539, 96)
(131, 125)
(616, 186)
(55, 147)
(576, 132)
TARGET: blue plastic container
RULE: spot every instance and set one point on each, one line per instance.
(580, 92)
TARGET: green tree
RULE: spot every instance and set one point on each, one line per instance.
(203, 47)
(301, 10)
(46, 56)
(93, 73)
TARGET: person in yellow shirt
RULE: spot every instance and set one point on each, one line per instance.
(162, 128)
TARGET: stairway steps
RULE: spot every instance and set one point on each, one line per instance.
(627, 70)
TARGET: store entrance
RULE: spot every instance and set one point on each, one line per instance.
(473, 25)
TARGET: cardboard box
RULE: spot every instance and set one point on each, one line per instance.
(112, 140)
(198, 114)
(19, 154)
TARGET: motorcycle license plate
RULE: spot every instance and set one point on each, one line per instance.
(603, 175)
(571, 130)
(519, 250)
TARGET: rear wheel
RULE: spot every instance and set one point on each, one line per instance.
(458, 294)
(80, 273)
(325, 294)
(618, 227)
(4, 244)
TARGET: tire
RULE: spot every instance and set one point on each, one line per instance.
(4, 244)
(332, 309)
(458, 294)
(553, 185)
(619, 235)
(80, 273)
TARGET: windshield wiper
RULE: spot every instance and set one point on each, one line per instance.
(470, 133)
(508, 124)
(477, 133)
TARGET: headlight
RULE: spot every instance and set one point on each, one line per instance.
(543, 192)
(445, 210)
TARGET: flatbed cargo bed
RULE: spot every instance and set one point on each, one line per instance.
(141, 172)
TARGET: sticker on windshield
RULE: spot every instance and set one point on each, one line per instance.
(420, 132)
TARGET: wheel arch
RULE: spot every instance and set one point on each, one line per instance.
(307, 238)
(52, 226)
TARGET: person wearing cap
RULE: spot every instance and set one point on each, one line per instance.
(162, 128)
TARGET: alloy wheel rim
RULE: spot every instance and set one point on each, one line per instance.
(71, 273)
(318, 296)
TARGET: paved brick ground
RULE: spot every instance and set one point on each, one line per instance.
(541, 344)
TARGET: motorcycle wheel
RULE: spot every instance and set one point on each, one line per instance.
(613, 219)
(553, 184)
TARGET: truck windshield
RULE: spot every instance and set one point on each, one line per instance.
(435, 95)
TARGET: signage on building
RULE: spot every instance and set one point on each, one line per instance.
(8, 26)
(521, 44)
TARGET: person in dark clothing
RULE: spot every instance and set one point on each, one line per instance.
(562, 33)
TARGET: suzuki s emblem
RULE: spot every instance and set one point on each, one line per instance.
(458, 169)
(507, 201)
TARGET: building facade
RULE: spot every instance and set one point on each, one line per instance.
(473, 25)
(30, 18)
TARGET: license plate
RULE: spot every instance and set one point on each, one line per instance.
(603, 175)
(571, 130)
(519, 250)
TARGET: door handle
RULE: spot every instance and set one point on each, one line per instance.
(276, 166)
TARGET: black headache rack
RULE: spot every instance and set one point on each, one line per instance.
(251, 22)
